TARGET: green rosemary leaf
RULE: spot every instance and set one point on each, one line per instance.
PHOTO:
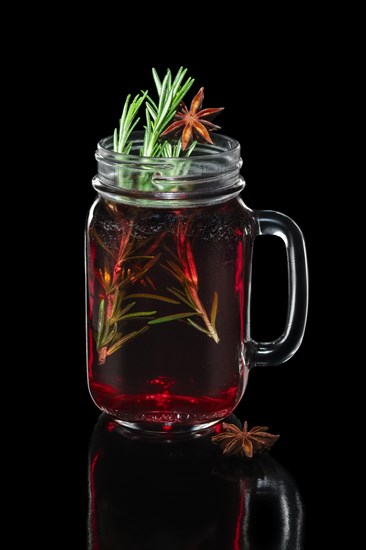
(179, 273)
(180, 295)
(108, 339)
(171, 272)
(189, 297)
(148, 123)
(153, 297)
(129, 258)
(157, 81)
(193, 324)
(152, 103)
(182, 92)
(137, 276)
(165, 149)
(190, 149)
(117, 317)
(137, 315)
(215, 303)
(151, 111)
(124, 281)
(168, 150)
(178, 79)
(168, 318)
(95, 236)
(116, 304)
(134, 124)
(127, 123)
(165, 88)
(147, 134)
(176, 291)
(122, 120)
(128, 148)
(106, 329)
(165, 115)
(125, 339)
(177, 149)
(127, 308)
(100, 324)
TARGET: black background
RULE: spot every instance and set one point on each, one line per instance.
(272, 83)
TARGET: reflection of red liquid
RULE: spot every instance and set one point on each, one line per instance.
(237, 543)
(93, 515)
(164, 407)
(172, 372)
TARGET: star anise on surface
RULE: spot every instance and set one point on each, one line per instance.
(193, 122)
(235, 441)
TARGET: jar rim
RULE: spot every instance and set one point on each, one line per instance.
(212, 176)
(213, 151)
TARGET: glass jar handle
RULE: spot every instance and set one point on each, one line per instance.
(282, 349)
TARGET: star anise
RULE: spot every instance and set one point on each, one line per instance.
(235, 441)
(195, 122)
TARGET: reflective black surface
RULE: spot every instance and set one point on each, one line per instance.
(183, 494)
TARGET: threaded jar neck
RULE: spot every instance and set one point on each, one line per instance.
(210, 175)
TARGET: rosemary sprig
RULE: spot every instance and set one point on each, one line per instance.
(121, 272)
(112, 311)
(158, 115)
(193, 122)
(169, 150)
(183, 269)
(189, 296)
(127, 123)
(119, 343)
(126, 270)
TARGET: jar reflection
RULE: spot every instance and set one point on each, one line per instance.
(146, 494)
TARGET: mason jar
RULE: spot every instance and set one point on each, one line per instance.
(169, 253)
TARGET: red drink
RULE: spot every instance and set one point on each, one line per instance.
(167, 309)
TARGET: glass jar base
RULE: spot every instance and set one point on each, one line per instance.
(169, 423)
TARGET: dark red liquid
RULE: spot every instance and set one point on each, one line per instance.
(170, 374)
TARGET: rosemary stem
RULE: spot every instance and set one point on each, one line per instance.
(204, 316)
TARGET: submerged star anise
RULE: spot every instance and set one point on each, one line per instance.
(195, 122)
(235, 441)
